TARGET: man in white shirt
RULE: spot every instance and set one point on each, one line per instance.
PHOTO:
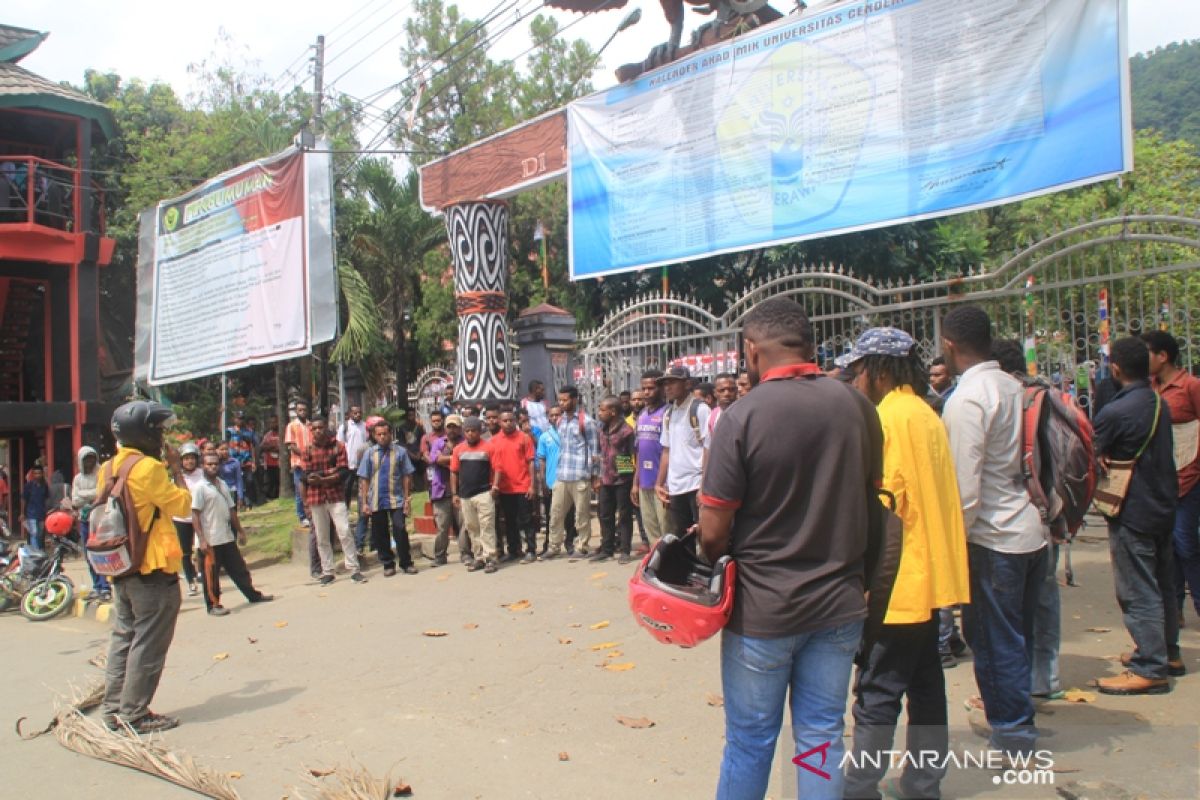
(353, 434)
(215, 519)
(1006, 546)
(683, 438)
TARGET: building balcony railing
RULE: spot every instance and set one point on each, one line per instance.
(34, 191)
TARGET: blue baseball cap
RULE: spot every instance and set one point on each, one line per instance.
(878, 342)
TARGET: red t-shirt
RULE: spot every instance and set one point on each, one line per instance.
(511, 456)
(1182, 396)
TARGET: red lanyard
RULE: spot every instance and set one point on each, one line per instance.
(790, 372)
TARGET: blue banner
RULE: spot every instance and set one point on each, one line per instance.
(871, 113)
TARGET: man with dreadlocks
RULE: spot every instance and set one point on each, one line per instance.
(902, 658)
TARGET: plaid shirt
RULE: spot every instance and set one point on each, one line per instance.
(324, 459)
(614, 443)
(580, 456)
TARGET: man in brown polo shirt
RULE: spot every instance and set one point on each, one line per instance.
(790, 493)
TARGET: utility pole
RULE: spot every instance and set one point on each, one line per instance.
(318, 128)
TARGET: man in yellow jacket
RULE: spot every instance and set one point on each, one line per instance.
(147, 603)
(902, 659)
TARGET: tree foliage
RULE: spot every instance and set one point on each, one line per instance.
(1166, 94)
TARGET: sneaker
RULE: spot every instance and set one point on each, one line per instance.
(389, 572)
(551, 554)
(1057, 694)
(600, 556)
(316, 576)
(958, 647)
(264, 598)
(358, 578)
(326, 580)
(154, 723)
(624, 558)
(490, 567)
(218, 611)
(475, 566)
(439, 561)
(410, 570)
(193, 589)
(1129, 682)
(948, 659)
(1175, 666)
(529, 558)
(507, 557)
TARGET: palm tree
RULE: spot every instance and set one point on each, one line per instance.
(387, 247)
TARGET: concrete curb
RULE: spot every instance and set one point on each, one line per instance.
(85, 609)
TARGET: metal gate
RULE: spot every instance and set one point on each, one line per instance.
(1063, 298)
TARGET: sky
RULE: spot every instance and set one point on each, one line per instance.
(152, 40)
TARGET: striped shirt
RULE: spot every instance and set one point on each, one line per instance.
(385, 471)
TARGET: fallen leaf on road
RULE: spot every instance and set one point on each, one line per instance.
(605, 645)
(597, 576)
(520, 605)
(564, 756)
(402, 790)
(564, 640)
(635, 722)
(575, 625)
(235, 775)
(220, 656)
(1099, 630)
(714, 700)
(622, 667)
(281, 624)
(444, 577)
(470, 626)
(251, 640)
(614, 654)
(434, 634)
(320, 773)
(599, 625)
(1079, 696)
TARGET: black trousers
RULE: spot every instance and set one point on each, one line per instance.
(187, 542)
(380, 521)
(517, 513)
(271, 482)
(902, 661)
(251, 487)
(229, 558)
(685, 512)
(615, 510)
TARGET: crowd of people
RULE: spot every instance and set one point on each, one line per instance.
(806, 477)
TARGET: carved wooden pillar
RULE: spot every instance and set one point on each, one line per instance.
(478, 234)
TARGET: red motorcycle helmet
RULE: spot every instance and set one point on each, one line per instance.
(59, 523)
(679, 598)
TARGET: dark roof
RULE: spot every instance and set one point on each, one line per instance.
(20, 88)
(16, 43)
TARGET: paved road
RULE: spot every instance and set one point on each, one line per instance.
(484, 711)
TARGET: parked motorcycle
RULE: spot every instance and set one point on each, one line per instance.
(37, 583)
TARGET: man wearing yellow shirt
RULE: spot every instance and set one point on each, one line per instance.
(902, 659)
(146, 604)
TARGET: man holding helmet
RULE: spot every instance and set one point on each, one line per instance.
(146, 603)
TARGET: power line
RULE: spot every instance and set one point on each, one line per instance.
(350, 47)
(354, 14)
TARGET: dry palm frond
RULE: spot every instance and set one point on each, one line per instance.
(99, 660)
(353, 783)
(77, 732)
(81, 700)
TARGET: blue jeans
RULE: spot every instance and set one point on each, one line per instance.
(999, 627)
(99, 582)
(1143, 574)
(756, 675)
(1187, 548)
(298, 483)
(947, 628)
(1047, 631)
(35, 533)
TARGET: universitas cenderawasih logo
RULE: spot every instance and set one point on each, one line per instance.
(171, 218)
(791, 132)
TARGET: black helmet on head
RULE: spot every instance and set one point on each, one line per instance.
(140, 425)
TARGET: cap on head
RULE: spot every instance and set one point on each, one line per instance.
(454, 419)
(878, 342)
(674, 374)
